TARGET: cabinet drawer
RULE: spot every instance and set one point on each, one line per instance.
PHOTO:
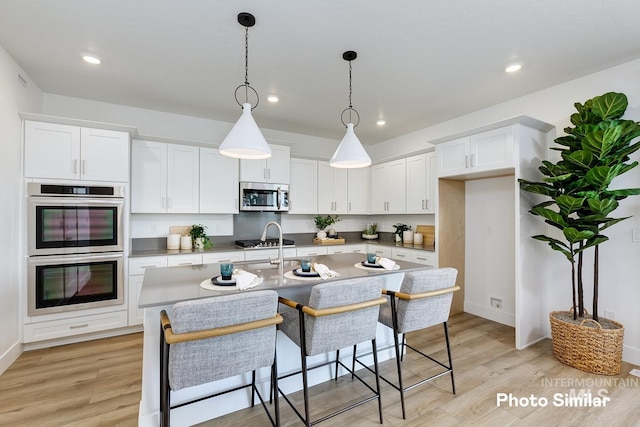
(74, 326)
(347, 249)
(138, 265)
(264, 254)
(218, 257)
(313, 251)
(380, 250)
(177, 260)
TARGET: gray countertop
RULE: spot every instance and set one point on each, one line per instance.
(300, 243)
(168, 285)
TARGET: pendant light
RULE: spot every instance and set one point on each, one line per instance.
(350, 152)
(245, 141)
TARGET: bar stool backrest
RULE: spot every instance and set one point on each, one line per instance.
(197, 362)
(328, 333)
(425, 312)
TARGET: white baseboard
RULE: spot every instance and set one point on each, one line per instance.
(10, 356)
(485, 312)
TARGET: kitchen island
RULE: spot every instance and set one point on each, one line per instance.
(163, 287)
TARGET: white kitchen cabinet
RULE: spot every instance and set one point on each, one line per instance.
(62, 151)
(303, 190)
(381, 251)
(421, 183)
(74, 326)
(347, 249)
(164, 178)
(332, 189)
(187, 259)
(485, 151)
(218, 257)
(218, 182)
(274, 169)
(266, 254)
(137, 267)
(311, 251)
(358, 181)
(388, 187)
(414, 255)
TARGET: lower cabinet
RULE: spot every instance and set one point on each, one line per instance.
(74, 326)
(415, 255)
(381, 251)
(218, 257)
(311, 251)
(137, 267)
(266, 254)
(347, 249)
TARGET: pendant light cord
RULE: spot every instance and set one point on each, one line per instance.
(350, 104)
(350, 56)
(246, 65)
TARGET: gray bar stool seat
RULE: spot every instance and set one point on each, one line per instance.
(424, 300)
(339, 314)
(215, 338)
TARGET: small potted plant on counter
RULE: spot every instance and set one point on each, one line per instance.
(371, 231)
(322, 222)
(400, 229)
(198, 233)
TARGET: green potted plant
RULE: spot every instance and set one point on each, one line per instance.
(400, 229)
(371, 231)
(579, 203)
(322, 222)
(198, 233)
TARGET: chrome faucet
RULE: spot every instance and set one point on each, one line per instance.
(280, 260)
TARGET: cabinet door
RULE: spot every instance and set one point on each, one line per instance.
(492, 150)
(379, 189)
(278, 165)
(339, 190)
(218, 184)
(397, 187)
(51, 150)
(252, 170)
(180, 260)
(303, 190)
(416, 184)
(431, 187)
(218, 257)
(183, 178)
(325, 188)
(104, 155)
(453, 157)
(148, 177)
(311, 251)
(358, 190)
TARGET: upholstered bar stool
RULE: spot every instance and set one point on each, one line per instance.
(424, 300)
(339, 315)
(215, 338)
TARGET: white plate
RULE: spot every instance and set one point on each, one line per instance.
(218, 280)
(299, 272)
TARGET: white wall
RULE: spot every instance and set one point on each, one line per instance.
(14, 97)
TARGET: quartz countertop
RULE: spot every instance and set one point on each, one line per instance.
(300, 243)
(168, 285)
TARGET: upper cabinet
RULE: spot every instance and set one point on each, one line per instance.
(60, 151)
(358, 190)
(486, 151)
(164, 178)
(218, 182)
(332, 189)
(421, 183)
(303, 190)
(388, 187)
(274, 169)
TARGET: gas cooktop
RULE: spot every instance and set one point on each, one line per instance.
(259, 244)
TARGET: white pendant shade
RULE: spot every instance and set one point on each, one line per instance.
(350, 152)
(245, 141)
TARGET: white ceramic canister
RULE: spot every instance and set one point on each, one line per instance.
(417, 239)
(173, 241)
(407, 236)
(185, 242)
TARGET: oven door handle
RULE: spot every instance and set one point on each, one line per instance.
(71, 259)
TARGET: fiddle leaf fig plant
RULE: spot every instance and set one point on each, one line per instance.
(593, 153)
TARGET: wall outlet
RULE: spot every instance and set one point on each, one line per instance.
(495, 302)
(635, 235)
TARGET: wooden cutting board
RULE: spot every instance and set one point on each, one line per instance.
(428, 232)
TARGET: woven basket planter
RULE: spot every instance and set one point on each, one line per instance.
(587, 346)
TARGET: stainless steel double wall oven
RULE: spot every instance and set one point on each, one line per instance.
(76, 246)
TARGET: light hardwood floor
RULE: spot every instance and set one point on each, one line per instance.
(97, 383)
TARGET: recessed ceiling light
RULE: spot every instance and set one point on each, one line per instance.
(91, 59)
(513, 68)
(272, 98)
(381, 122)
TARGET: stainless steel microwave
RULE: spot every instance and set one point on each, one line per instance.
(264, 197)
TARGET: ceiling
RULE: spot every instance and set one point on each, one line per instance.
(419, 62)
